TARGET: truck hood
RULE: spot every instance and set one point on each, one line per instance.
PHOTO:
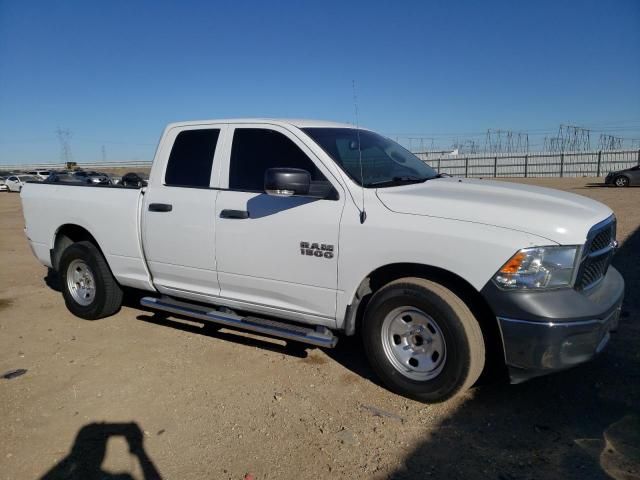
(558, 216)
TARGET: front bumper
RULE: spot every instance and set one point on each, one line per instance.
(543, 332)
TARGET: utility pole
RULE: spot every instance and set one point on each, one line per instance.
(505, 141)
(64, 136)
(572, 138)
(609, 142)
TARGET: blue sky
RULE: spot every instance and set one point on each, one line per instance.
(115, 72)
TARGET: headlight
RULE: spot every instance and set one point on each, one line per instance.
(538, 267)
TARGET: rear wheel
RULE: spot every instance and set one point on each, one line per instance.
(621, 181)
(422, 340)
(88, 287)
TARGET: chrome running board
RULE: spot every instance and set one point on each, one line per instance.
(320, 336)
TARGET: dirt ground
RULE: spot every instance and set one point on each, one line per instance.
(148, 397)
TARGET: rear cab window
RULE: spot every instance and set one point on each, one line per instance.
(191, 159)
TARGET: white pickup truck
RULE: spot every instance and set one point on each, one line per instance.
(305, 229)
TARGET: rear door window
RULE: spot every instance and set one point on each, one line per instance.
(191, 158)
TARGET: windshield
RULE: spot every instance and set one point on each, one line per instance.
(384, 162)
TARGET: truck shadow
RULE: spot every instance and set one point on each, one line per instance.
(627, 262)
(560, 426)
(84, 461)
(52, 280)
(190, 325)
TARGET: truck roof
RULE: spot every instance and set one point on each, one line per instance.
(296, 122)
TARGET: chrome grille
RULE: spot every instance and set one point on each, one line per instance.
(597, 254)
(601, 240)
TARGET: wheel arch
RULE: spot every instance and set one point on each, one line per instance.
(66, 235)
(461, 287)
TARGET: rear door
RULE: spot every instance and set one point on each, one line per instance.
(178, 227)
(282, 251)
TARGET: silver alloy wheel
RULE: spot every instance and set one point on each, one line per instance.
(414, 344)
(621, 181)
(80, 282)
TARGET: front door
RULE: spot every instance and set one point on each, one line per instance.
(178, 213)
(277, 251)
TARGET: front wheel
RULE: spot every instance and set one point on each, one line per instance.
(88, 287)
(621, 181)
(422, 340)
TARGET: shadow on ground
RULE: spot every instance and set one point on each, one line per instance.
(190, 325)
(52, 280)
(84, 461)
(195, 326)
(566, 425)
(605, 185)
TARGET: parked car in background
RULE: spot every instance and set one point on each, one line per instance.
(133, 179)
(96, 178)
(66, 177)
(41, 174)
(624, 178)
(3, 187)
(15, 182)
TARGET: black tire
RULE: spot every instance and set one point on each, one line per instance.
(621, 181)
(107, 299)
(465, 350)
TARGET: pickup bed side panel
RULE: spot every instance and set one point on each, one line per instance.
(110, 215)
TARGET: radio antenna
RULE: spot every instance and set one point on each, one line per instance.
(363, 212)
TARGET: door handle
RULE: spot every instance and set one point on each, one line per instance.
(239, 214)
(160, 207)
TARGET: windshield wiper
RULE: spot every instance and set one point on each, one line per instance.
(404, 180)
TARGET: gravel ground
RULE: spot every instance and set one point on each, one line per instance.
(143, 396)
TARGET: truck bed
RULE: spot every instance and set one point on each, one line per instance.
(111, 214)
